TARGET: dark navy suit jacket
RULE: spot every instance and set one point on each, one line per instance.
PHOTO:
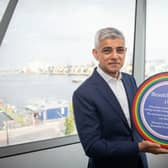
(103, 130)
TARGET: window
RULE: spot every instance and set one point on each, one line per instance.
(156, 33)
(45, 55)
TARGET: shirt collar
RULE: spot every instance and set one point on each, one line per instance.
(106, 76)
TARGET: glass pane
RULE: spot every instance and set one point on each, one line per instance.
(3, 5)
(45, 56)
(156, 44)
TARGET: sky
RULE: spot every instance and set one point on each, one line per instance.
(49, 32)
(156, 31)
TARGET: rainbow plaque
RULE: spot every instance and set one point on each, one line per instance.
(150, 109)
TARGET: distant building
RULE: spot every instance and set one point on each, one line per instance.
(53, 113)
(46, 111)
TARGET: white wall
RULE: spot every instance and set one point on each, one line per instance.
(157, 161)
(71, 156)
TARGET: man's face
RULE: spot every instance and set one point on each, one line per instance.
(111, 54)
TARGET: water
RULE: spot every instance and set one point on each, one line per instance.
(22, 89)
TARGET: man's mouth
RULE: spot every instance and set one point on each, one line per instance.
(114, 63)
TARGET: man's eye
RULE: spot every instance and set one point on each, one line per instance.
(107, 50)
(120, 50)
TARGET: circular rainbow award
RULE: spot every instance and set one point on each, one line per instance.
(150, 109)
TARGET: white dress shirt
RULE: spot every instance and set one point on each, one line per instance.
(118, 89)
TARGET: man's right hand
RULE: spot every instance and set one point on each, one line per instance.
(150, 147)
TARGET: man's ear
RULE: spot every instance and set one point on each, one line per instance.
(94, 52)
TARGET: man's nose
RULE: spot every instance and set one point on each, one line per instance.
(114, 54)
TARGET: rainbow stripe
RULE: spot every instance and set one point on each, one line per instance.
(144, 87)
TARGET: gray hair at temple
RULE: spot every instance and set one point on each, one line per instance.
(108, 33)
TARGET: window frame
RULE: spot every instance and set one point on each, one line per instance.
(138, 73)
(139, 41)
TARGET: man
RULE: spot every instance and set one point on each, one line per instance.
(102, 109)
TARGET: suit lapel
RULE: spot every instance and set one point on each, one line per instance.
(109, 95)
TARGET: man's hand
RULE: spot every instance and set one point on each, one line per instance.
(146, 146)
